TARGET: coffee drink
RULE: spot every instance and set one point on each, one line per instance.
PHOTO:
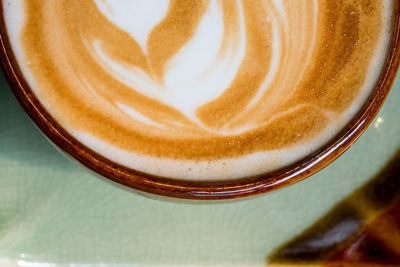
(201, 89)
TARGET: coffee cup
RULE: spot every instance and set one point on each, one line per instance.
(205, 99)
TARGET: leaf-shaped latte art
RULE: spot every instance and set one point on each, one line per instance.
(201, 80)
(192, 77)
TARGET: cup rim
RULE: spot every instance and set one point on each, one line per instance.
(200, 190)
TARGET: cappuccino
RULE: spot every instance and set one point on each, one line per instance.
(201, 89)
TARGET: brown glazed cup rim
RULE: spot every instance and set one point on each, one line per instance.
(200, 190)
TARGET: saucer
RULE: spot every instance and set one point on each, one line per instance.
(54, 212)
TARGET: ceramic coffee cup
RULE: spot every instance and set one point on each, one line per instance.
(201, 190)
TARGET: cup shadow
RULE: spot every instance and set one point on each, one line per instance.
(20, 140)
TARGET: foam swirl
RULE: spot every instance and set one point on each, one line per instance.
(202, 80)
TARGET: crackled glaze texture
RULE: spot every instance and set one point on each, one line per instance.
(202, 89)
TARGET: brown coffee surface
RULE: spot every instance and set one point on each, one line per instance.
(284, 93)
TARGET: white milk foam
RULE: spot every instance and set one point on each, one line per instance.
(207, 77)
(137, 17)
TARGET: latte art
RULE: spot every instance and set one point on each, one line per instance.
(218, 55)
(201, 89)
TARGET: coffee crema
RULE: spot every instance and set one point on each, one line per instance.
(201, 89)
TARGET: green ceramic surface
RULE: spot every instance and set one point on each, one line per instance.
(53, 211)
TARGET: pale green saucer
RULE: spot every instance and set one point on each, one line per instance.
(53, 211)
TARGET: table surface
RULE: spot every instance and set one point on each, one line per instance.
(54, 211)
